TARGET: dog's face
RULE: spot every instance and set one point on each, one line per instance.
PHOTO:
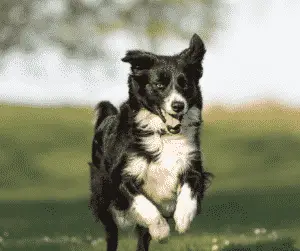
(167, 84)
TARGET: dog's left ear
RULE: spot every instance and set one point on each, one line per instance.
(195, 53)
(139, 59)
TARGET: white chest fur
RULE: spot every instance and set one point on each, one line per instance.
(161, 177)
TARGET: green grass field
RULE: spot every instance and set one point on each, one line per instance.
(254, 153)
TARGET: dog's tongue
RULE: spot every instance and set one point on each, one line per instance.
(173, 124)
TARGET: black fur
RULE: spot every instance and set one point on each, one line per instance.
(103, 110)
(117, 135)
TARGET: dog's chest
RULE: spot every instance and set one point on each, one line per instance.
(161, 177)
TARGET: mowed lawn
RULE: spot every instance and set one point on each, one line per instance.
(252, 204)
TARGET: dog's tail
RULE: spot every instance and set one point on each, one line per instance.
(103, 110)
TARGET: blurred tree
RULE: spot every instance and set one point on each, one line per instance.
(78, 26)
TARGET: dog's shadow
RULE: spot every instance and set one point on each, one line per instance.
(278, 245)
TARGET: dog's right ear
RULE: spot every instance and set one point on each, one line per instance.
(139, 60)
(196, 51)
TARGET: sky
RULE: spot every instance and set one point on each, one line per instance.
(255, 57)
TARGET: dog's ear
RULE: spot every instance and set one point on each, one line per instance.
(140, 60)
(195, 53)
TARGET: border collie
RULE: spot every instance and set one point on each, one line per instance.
(146, 158)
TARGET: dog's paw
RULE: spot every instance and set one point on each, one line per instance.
(184, 214)
(149, 121)
(183, 218)
(160, 230)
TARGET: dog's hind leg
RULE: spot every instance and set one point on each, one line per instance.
(111, 230)
(144, 238)
(111, 237)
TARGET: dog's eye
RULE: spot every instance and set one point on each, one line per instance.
(182, 82)
(159, 85)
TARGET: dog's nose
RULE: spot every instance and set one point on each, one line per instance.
(177, 106)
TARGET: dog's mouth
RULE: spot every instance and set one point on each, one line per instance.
(173, 123)
(174, 130)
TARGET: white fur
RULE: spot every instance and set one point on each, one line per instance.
(174, 96)
(186, 209)
(122, 218)
(144, 213)
(162, 176)
(137, 167)
(149, 120)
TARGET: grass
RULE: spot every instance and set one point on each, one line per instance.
(253, 151)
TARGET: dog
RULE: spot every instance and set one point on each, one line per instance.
(146, 166)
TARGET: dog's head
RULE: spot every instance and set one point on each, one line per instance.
(167, 85)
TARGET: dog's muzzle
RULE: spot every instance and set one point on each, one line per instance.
(173, 123)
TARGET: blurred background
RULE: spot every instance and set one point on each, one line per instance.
(60, 57)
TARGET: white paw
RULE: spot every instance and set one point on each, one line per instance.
(185, 211)
(183, 220)
(149, 121)
(159, 230)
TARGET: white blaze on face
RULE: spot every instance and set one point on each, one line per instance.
(174, 96)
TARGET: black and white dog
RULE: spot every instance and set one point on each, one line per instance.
(146, 158)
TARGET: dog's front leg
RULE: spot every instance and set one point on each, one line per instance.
(188, 199)
(145, 213)
(186, 208)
